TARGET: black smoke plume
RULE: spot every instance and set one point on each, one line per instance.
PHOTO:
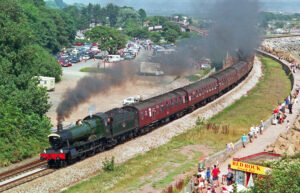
(235, 27)
(234, 30)
(92, 85)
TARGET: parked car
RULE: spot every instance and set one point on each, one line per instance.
(75, 59)
(86, 57)
(79, 44)
(129, 56)
(101, 55)
(114, 58)
(131, 100)
(66, 63)
(61, 60)
(95, 49)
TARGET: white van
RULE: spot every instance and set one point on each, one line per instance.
(47, 82)
(114, 58)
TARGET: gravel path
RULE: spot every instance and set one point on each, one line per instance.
(84, 169)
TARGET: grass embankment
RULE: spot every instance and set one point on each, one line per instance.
(159, 166)
(92, 70)
(195, 77)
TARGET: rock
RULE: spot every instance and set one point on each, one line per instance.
(278, 150)
(283, 135)
(291, 150)
(297, 146)
(269, 148)
(293, 139)
(280, 142)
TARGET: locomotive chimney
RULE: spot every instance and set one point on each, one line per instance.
(59, 127)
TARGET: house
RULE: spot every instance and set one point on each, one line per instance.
(155, 28)
(146, 23)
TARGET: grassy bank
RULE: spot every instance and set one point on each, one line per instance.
(91, 70)
(160, 166)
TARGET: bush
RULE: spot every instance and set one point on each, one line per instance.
(21, 135)
(109, 165)
(200, 121)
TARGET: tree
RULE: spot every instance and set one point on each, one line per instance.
(141, 33)
(171, 35)
(143, 15)
(279, 24)
(97, 13)
(127, 13)
(112, 12)
(23, 126)
(285, 177)
(109, 38)
(168, 25)
(158, 20)
(131, 27)
(190, 20)
(155, 36)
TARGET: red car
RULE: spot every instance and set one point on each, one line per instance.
(79, 44)
(66, 63)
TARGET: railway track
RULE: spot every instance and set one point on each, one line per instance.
(23, 174)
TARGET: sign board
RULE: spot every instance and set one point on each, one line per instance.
(235, 165)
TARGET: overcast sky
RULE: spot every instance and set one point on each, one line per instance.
(185, 5)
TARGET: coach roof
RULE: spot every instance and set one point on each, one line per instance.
(199, 84)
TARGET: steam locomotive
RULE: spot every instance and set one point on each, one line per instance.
(105, 130)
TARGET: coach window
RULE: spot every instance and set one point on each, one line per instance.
(172, 103)
(179, 100)
(142, 115)
(176, 103)
(167, 105)
(162, 108)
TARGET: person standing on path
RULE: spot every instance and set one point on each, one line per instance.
(261, 127)
(244, 140)
(98, 65)
(290, 107)
(208, 171)
(215, 174)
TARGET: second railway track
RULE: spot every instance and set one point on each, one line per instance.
(23, 174)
